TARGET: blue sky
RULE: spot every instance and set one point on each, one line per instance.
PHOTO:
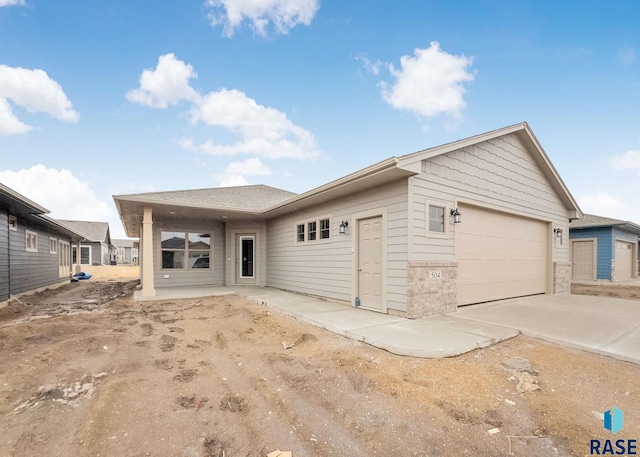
(102, 97)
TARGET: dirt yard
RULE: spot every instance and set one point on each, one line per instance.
(607, 290)
(85, 371)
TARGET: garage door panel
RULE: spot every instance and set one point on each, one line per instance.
(499, 255)
(623, 261)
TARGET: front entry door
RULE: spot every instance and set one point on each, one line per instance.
(582, 260)
(246, 259)
(370, 263)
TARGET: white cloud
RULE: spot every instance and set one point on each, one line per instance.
(34, 91)
(265, 131)
(282, 14)
(234, 174)
(372, 67)
(629, 160)
(12, 2)
(9, 123)
(602, 204)
(429, 83)
(627, 55)
(167, 85)
(72, 199)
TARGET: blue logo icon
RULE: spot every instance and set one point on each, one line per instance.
(613, 420)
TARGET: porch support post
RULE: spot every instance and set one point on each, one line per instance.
(148, 286)
(78, 266)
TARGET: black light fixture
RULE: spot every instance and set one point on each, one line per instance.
(457, 217)
(558, 232)
(343, 227)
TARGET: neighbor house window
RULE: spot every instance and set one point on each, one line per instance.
(184, 250)
(324, 229)
(13, 223)
(436, 219)
(31, 241)
(312, 230)
(53, 246)
(300, 232)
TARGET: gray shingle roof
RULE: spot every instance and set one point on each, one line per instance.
(92, 231)
(244, 198)
(123, 243)
(591, 220)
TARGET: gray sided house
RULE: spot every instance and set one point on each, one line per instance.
(604, 249)
(476, 220)
(96, 247)
(126, 251)
(35, 250)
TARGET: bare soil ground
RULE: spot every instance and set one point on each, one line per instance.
(85, 371)
(607, 290)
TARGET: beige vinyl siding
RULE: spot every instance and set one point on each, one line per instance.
(498, 174)
(234, 228)
(325, 267)
(196, 276)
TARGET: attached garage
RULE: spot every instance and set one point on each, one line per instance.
(500, 255)
(624, 260)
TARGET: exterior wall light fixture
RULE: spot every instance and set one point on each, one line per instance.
(558, 232)
(343, 227)
(457, 217)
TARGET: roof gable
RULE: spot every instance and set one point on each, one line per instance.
(524, 133)
(592, 220)
(91, 231)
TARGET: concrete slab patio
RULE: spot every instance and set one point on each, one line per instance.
(603, 325)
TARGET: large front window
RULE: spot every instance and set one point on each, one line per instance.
(184, 250)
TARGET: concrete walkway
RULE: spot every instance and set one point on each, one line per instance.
(607, 326)
(432, 337)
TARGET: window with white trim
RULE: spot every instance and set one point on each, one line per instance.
(31, 241)
(325, 231)
(53, 246)
(185, 250)
(436, 219)
(313, 230)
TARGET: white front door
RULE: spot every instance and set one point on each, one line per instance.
(64, 258)
(369, 267)
(246, 259)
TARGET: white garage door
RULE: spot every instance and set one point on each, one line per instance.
(499, 256)
(624, 256)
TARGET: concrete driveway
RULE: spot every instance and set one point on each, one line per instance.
(607, 326)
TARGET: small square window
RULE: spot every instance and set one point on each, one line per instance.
(312, 231)
(13, 223)
(324, 229)
(300, 232)
(436, 219)
(31, 241)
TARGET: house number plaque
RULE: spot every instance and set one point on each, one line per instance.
(435, 275)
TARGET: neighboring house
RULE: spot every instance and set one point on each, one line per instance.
(35, 250)
(604, 249)
(96, 248)
(126, 251)
(383, 238)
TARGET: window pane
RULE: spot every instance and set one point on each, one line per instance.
(324, 229)
(436, 219)
(300, 232)
(172, 240)
(312, 231)
(198, 259)
(172, 259)
(199, 240)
